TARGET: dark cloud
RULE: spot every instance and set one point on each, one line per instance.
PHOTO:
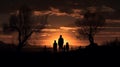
(70, 8)
(64, 5)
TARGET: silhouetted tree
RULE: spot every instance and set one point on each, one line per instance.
(90, 24)
(23, 23)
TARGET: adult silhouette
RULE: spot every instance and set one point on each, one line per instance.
(55, 46)
(60, 42)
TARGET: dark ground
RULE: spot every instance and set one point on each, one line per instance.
(91, 56)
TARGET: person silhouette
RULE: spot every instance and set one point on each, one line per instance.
(67, 46)
(64, 48)
(55, 46)
(60, 42)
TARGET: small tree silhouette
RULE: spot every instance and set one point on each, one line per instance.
(90, 25)
(22, 22)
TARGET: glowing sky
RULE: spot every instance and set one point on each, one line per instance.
(62, 14)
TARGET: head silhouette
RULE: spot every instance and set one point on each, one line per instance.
(54, 41)
(67, 43)
(60, 36)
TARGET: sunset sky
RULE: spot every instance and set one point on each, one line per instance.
(62, 15)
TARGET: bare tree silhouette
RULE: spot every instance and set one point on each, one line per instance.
(90, 24)
(23, 23)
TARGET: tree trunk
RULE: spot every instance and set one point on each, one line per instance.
(22, 41)
(19, 41)
(19, 47)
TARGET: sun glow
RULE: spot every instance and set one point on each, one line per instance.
(66, 36)
(47, 37)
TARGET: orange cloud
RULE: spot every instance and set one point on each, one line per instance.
(107, 9)
(76, 10)
(111, 21)
(37, 13)
(69, 28)
(76, 13)
(55, 11)
(50, 30)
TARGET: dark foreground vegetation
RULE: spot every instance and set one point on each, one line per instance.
(98, 55)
